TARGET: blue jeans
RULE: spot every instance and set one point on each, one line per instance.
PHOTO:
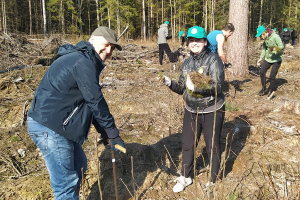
(64, 160)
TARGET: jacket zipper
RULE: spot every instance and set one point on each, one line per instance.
(69, 117)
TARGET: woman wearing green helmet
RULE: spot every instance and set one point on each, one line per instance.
(201, 102)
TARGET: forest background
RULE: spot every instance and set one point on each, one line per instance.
(80, 17)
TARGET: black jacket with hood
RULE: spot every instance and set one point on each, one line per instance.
(211, 65)
(69, 98)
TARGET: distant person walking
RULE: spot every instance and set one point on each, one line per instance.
(217, 39)
(285, 36)
(200, 104)
(163, 35)
(182, 36)
(272, 55)
(294, 36)
(65, 104)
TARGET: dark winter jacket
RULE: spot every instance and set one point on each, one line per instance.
(211, 65)
(294, 34)
(286, 37)
(69, 98)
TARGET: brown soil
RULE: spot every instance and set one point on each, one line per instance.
(259, 142)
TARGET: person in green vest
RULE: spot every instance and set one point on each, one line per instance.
(272, 55)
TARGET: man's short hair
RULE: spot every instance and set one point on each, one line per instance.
(229, 27)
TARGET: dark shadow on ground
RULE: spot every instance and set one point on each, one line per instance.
(146, 158)
(232, 141)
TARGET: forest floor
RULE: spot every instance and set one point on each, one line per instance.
(260, 139)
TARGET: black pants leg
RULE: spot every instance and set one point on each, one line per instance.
(273, 74)
(205, 123)
(165, 47)
(161, 53)
(264, 68)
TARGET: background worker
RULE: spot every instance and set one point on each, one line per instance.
(199, 105)
(272, 55)
(285, 36)
(65, 104)
(217, 39)
(293, 36)
(182, 36)
(163, 35)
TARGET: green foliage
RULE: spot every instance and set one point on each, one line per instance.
(230, 107)
(15, 138)
(234, 196)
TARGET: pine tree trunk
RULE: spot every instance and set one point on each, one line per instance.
(206, 16)
(212, 16)
(260, 13)
(144, 21)
(44, 18)
(174, 18)
(4, 19)
(162, 11)
(108, 13)
(16, 16)
(237, 51)
(79, 16)
(62, 18)
(97, 12)
(30, 17)
(118, 19)
(89, 17)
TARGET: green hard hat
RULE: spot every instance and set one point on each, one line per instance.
(260, 30)
(181, 33)
(166, 22)
(285, 29)
(196, 32)
(290, 29)
(275, 29)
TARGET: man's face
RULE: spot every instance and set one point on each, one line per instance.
(102, 47)
(196, 45)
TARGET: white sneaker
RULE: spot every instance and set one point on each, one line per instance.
(182, 183)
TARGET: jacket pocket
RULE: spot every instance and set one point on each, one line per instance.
(66, 121)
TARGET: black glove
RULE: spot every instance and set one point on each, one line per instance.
(169, 37)
(118, 140)
(228, 65)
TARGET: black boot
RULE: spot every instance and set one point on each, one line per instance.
(263, 92)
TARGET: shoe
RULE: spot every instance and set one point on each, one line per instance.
(182, 183)
(263, 92)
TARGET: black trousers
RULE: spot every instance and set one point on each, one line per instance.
(165, 47)
(263, 70)
(294, 41)
(204, 122)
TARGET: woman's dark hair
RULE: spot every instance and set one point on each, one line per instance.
(228, 27)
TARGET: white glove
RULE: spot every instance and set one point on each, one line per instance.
(189, 84)
(258, 62)
(167, 81)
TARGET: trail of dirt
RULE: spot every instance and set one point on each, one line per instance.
(260, 139)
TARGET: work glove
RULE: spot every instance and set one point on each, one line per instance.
(189, 84)
(169, 37)
(228, 65)
(259, 62)
(118, 140)
(165, 80)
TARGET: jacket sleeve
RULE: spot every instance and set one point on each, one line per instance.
(279, 42)
(263, 51)
(216, 71)
(166, 32)
(85, 74)
(179, 87)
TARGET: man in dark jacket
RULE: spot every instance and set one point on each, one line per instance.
(293, 36)
(163, 35)
(66, 103)
(285, 36)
